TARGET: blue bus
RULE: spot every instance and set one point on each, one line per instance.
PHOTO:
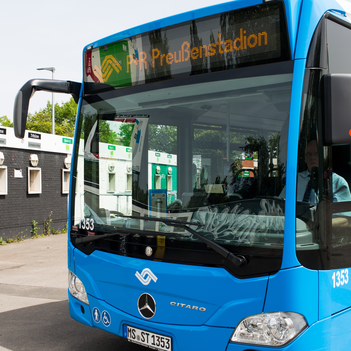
(210, 200)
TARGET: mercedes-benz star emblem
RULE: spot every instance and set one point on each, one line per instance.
(146, 306)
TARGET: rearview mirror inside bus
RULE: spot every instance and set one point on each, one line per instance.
(27, 91)
(336, 97)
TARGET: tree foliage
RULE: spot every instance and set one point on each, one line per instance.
(106, 135)
(5, 122)
(125, 133)
(163, 138)
(91, 124)
(65, 117)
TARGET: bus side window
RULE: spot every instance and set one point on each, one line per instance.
(339, 158)
(341, 164)
(341, 180)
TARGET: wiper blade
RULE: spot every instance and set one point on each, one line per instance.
(121, 231)
(238, 260)
(90, 238)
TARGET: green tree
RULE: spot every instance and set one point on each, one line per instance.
(106, 135)
(163, 138)
(125, 133)
(5, 122)
(65, 117)
(102, 129)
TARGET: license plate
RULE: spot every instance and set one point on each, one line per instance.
(148, 339)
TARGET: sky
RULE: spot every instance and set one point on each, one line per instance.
(46, 33)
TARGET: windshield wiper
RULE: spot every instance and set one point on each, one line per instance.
(90, 238)
(121, 231)
(237, 260)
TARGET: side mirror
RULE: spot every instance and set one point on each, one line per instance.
(336, 100)
(27, 91)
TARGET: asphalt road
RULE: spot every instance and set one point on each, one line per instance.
(33, 302)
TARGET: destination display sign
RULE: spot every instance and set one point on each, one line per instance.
(233, 39)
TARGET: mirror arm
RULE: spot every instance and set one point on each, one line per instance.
(20, 112)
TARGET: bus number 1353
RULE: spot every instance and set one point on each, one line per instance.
(340, 278)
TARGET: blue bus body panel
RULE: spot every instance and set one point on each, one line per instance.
(184, 338)
(289, 251)
(311, 13)
(294, 290)
(341, 330)
(316, 337)
(184, 295)
(292, 10)
(334, 292)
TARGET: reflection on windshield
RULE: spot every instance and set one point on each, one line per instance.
(212, 154)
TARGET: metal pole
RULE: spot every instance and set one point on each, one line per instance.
(53, 107)
(52, 70)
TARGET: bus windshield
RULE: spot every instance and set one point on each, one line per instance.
(211, 154)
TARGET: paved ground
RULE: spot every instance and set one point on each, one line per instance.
(33, 302)
(33, 272)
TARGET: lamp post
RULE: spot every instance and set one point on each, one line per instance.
(52, 70)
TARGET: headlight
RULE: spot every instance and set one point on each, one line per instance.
(76, 288)
(269, 329)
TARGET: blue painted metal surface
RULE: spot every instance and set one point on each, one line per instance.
(199, 337)
(294, 290)
(292, 9)
(334, 291)
(289, 252)
(311, 13)
(185, 295)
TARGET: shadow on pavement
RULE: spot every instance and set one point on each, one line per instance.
(50, 327)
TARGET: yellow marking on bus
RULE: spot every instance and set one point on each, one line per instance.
(109, 65)
(161, 243)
